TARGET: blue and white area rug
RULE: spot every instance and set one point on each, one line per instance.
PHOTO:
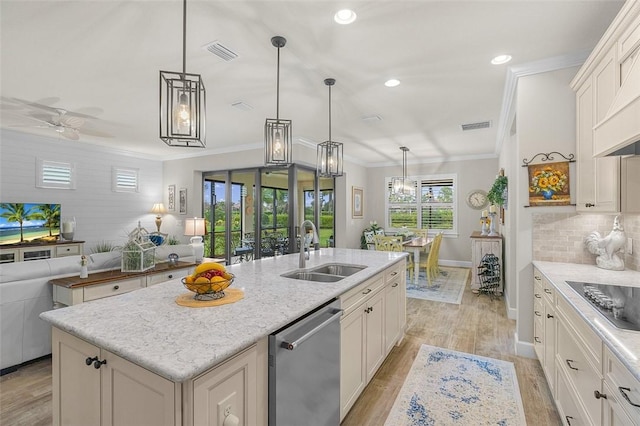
(448, 286)
(446, 387)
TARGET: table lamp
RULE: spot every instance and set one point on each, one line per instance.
(196, 228)
(158, 209)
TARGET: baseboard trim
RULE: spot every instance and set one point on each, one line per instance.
(512, 313)
(524, 349)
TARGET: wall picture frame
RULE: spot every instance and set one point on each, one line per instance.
(357, 202)
(171, 201)
(183, 200)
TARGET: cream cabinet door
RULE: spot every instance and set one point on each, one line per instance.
(375, 340)
(392, 314)
(352, 355)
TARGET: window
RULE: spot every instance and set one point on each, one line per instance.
(430, 204)
(55, 174)
(124, 180)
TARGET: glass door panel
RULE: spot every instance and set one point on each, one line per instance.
(274, 220)
(243, 215)
(215, 215)
(327, 212)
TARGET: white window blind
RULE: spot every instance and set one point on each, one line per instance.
(55, 174)
(124, 180)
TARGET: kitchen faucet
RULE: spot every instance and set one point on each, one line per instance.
(304, 254)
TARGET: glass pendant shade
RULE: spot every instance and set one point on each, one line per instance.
(182, 103)
(403, 185)
(329, 160)
(277, 132)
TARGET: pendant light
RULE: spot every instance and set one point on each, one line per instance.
(182, 102)
(277, 133)
(329, 162)
(403, 186)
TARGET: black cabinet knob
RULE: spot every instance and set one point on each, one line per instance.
(599, 395)
(116, 287)
(549, 316)
(89, 360)
(97, 364)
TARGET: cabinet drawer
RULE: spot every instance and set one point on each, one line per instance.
(166, 276)
(355, 296)
(538, 339)
(580, 372)
(590, 341)
(99, 291)
(568, 409)
(394, 274)
(625, 386)
(67, 250)
(614, 414)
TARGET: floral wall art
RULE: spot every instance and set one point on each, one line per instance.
(549, 184)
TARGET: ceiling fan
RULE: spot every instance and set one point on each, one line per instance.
(67, 123)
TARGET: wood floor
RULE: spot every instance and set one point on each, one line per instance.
(478, 325)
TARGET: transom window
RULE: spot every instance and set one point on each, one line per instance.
(430, 204)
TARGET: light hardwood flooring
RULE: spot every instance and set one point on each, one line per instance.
(478, 325)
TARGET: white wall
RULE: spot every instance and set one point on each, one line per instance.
(101, 214)
(472, 174)
(545, 123)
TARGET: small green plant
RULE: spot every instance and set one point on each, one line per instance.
(103, 247)
(498, 192)
(172, 240)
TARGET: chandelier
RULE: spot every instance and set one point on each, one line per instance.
(403, 185)
(277, 133)
(182, 102)
(329, 162)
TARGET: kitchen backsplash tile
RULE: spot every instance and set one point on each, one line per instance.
(559, 237)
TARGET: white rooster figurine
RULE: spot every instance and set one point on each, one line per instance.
(607, 247)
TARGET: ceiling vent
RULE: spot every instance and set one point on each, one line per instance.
(371, 118)
(476, 126)
(220, 50)
(241, 106)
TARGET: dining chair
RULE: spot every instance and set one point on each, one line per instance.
(369, 238)
(388, 243)
(431, 263)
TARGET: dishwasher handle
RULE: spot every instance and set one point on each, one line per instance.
(292, 345)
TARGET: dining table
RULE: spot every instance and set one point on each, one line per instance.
(416, 246)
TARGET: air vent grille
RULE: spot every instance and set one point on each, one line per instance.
(241, 106)
(371, 118)
(221, 51)
(476, 126)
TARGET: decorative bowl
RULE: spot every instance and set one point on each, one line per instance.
(212, 290)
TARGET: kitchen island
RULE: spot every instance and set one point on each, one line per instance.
(179, 345)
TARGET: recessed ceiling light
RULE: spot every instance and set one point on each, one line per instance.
(345, 16)
(392, 82)
(501, 59)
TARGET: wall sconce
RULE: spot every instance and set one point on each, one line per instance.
(158, 209)
(196, 227)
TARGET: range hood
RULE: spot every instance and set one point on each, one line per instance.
(619, 132)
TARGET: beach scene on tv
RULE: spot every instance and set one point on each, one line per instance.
(29, 222)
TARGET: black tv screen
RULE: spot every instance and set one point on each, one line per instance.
(29, 222)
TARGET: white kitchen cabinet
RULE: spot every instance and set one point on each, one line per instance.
(598, 179)
(545, 326)
(623, 392)
(395, 306)
(118, 392)
(613, 413)
(566, 404)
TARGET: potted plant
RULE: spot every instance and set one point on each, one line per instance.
(138, 254)
(497, 195)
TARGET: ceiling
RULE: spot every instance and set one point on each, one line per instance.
(102, 58)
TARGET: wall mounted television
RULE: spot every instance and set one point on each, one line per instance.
(29, 223)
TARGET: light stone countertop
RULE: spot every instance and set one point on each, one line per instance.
(148, 328)
(625, 344)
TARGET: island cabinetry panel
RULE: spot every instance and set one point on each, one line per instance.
(117, 392)
(362, 344)
(395, 299)
(566, 403)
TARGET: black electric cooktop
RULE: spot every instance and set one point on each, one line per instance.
(618, 304)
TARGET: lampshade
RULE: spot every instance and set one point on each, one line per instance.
(330, 153)
(195, 226)
(277, 132)
(158, 208)
(403, 186)
(182, 103)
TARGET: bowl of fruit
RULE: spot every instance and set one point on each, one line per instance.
(208, 281)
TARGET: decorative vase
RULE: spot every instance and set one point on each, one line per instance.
(547, 194)
(83, 271)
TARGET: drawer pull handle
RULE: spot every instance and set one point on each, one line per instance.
(393, 274)
(568, 418)
(394, 285)
(549, 316)
(626, 397)
(367, 291)
(537, 339)
(589, 205)
(97, 364)
(90, 361)
(569, 361)
(546, 290)
(537, 278)
(537, 313)
(537, 296)
(599, 395)
(115, 287)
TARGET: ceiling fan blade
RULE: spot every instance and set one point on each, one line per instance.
(34, 105)
(71, 121)
(70, 134)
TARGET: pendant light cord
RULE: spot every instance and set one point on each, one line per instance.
(184, 39)
(329, 113)
(278, 88)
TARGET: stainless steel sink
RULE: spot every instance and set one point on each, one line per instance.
(312, 276)
(341, 269)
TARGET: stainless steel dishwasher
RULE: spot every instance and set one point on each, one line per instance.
(304, 370)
